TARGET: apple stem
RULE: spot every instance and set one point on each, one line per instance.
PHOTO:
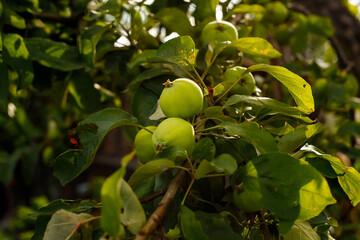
(168, 83)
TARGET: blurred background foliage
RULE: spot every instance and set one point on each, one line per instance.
(65, 59)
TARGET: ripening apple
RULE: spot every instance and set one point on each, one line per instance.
(219, 31)
(174, 132)
(276, 12)
(181, 98)
(246, 85)
(143, 145)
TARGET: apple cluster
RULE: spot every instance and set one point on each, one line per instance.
(182, 99)
(179, 100)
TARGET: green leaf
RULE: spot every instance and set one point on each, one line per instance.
(238, 148)
(16, 55)
(291, 141)
(91, 132)
(218, 89)
(143, 105)
(53, 54)
(112, 205)
(12, 18)
(298, 87)
(180, 50)
(246, 8)
(81, 87)
(204, 168)
(251, 132)
(31, 6)
(348, 177)
(279, 131)
(44, 214)
(4, 80)
(204, 149)
(175, 20)
(142, 57)
(190, 226)
(291, 188)
(150, 169)
(205, 9)
(225, 163)
(120, 206)
(134, 216)
(75, 206)
(216, 113)
(265, 102)
(299, 40)
(216, 226)
(63, 225)
(257, 47)
(320, 25)
(350, 128)
(301, 230)
(88, 41)
(323, 166)
(147, 75)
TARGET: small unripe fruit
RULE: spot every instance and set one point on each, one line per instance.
(246, 85)
(276, 12)
(181, 98)
(174, 132)
(143, 145)
(219, 31)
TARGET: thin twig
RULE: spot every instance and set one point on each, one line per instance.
(153, 196)
(158, 215)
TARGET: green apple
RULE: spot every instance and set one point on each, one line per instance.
(181, 98)
(219, 31)
(246, 85)
(276, 12)
(143, 145)
(174, 133)
(246, 201)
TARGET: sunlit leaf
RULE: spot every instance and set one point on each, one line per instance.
(348, 177)
(291, 188)
(265, 102)
(112, 205)
(17, 56)
(255, 46)
(292, 140)
(301, 230)
(297, 86)
(12, 18)
(88, 41)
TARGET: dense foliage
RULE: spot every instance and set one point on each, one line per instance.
(258, 140)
